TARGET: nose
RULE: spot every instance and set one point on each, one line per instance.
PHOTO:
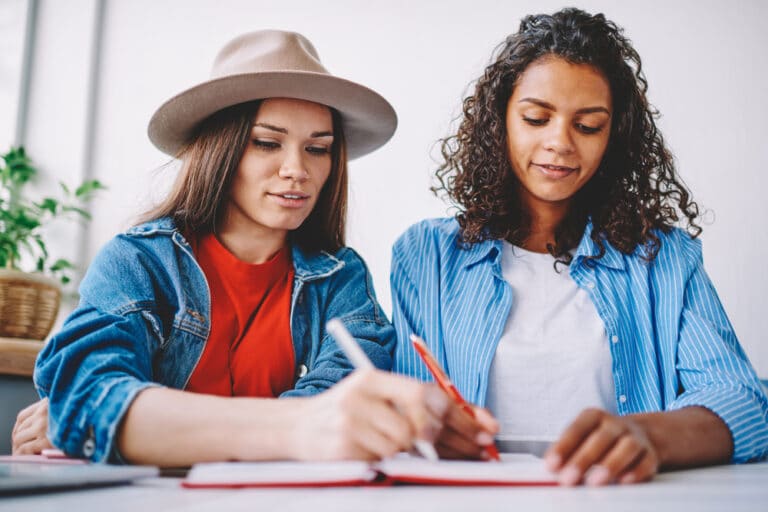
(559, 139)
(293, 167)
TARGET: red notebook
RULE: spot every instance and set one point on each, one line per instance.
(512, 470)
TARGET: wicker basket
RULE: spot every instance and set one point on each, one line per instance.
(29, 304)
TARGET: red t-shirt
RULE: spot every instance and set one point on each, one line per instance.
(249, 351)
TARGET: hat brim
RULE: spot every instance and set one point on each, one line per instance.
(369, 120)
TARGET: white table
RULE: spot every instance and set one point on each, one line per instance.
(722, 488)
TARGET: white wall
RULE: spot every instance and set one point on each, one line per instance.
(705, 61)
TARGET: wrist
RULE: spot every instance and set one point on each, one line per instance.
(652, 425)
(269, 429)
(691, 436)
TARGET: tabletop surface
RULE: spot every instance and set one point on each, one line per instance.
(721, 488)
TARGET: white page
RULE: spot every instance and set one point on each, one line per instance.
(514, 467)
(264, 473)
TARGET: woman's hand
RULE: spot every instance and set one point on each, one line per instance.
(369, 415)
(464, 437)
(599, 448)
(29, 434)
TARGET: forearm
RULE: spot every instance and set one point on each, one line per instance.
(169, 427)
(692, 436)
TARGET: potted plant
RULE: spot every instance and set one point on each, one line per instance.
(30, 282)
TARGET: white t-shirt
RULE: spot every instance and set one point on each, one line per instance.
(553, 359)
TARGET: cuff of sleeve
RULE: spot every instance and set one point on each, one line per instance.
(744, 411)
(100, 419)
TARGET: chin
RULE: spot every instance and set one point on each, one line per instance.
(554, 197)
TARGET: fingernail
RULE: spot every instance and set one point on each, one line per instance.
(553, 461)
(629, 478)
(597, 475)
(484, 439)
(570, 475)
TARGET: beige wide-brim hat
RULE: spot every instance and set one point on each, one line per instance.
(274, 64)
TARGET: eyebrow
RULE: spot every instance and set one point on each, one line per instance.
(278, 129)
(549, 106)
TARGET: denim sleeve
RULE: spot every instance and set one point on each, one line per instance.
(714, 371)
(350, 297)
(101, 359)
(91, 371)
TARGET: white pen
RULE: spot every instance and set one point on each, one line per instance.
(360, 361)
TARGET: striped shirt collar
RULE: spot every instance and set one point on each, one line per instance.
(491, 249)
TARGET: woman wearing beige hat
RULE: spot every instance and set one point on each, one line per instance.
(191, 322)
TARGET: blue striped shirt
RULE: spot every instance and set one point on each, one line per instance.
(671, 342)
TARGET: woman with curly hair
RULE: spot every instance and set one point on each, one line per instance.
(568, 295)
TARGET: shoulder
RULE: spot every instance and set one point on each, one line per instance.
(679, 241)
(344, 263)
(429, 232)
(129, 269)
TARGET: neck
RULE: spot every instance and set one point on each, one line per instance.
(250, 244)
(545, 218)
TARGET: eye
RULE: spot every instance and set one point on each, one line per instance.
(318, 150)
(265, 145)
(588, 130)
(535, 121)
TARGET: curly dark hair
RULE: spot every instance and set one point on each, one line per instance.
(635, 190)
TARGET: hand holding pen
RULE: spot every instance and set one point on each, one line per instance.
(471, 429)
(395, 413)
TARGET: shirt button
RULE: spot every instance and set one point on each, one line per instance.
(623, 398)
(591, 285)
(615, 338)
(302, 370)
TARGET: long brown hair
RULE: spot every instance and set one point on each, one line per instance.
(210, 160)
(636, 189)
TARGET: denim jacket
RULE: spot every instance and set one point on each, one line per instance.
(143, 320)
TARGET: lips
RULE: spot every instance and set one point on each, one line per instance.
(555, 171)
(291, 195)
(290, 199)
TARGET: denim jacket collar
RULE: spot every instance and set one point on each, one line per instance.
(308, 267)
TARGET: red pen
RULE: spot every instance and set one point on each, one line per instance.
(445, 383)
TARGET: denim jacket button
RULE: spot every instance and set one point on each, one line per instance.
(302, 370)
(89, 446)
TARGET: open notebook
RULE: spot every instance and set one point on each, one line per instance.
(514, 469)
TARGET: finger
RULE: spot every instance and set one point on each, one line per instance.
(486, 420)
(592, 450)
(461, 423)
(394, 432)
(644, 470)
(372, 444)
(624, 455)
(28, 411)
(31, 446)
(28, 432)
(463, 448)
(562, 449)
(449, 452)
(423, 405)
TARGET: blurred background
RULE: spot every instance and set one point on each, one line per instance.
(79, 80)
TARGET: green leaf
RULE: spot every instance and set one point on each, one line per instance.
(49, 204)
(83, 213)
(60, 265)
(22, 217)
(86, 190)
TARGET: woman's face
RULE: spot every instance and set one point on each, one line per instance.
(558, 123)
(283, 168)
